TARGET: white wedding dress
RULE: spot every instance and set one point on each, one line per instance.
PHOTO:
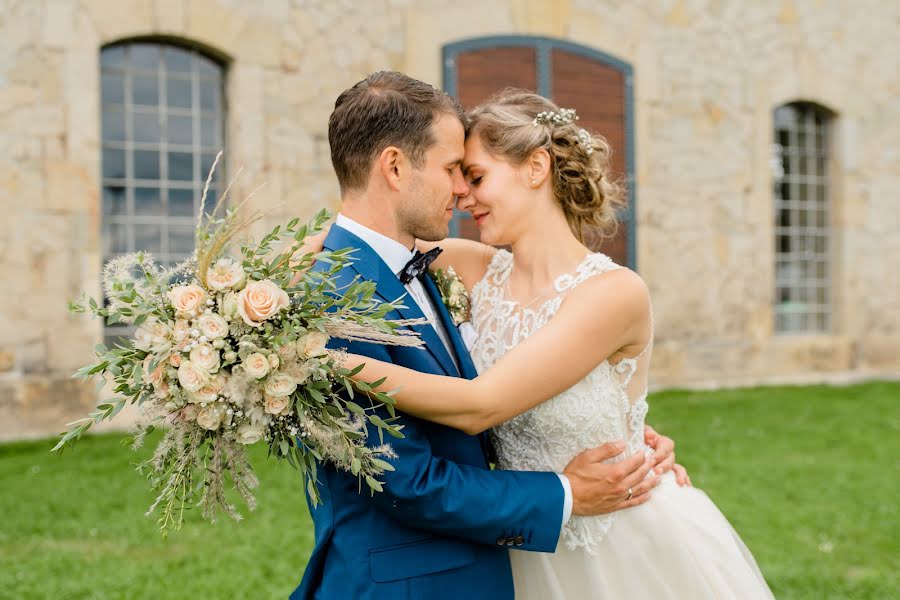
(677, 545)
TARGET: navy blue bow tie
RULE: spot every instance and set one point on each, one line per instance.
(418, 265)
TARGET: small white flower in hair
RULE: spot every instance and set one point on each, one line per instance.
(551, 117)
(586, 140)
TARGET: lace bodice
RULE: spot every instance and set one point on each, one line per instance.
(609, 404)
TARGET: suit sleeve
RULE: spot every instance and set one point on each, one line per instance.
(521, 509)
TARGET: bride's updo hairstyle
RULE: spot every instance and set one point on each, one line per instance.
(514, 123)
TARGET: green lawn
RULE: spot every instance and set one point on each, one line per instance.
(807, 475)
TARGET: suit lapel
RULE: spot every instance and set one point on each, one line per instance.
(370, 266)
(466, 366)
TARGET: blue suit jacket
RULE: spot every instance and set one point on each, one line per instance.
(441, 527)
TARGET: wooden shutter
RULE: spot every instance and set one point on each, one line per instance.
(597, 92)
(573, 80)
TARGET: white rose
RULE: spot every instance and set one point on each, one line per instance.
(259, 301)
(256, 365)
(230, 356)
(280, 384)
(187, 300)
(273, 361)
(153, 336)
(312, 344)
(249, 434)
(191, 378)
(210, 416)
(277, 404)
(225, 274)
(213, 326)
(205, 357)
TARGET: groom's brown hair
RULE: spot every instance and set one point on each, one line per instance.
(386, 108)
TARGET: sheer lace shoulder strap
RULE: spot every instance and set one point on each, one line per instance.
(593, 264)
(499, 267)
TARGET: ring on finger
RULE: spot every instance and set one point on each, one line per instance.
(630, 494)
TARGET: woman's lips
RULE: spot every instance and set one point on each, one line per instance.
(479, 219)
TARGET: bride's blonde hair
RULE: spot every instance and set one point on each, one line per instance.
(514, 123)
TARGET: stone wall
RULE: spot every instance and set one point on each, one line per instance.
(707, 76)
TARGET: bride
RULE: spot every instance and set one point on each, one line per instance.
(564, 338)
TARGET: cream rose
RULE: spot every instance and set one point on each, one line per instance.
(212, 326)
(208, 393)
(259, 301)
(249, 434)
(228, 306)
(162, 390)
(181, 330)
(153, 336)
(275, 405)
(280, 384)
(187, 300)
(256, 365)
(192, 378)
(175, 359)
(273, 361)
(312, 344)
(205, 357)
(210, 416)
(225, 274)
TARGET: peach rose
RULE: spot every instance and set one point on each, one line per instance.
(181, 330)
(212, 326)
(211, 416)
(187, 300)
(191, 377)
(205, 357)
(259, 301)
(208, 393)
(256, 365)
(275, 405)
(312, 344)
(175, 359)
(280, 384)
(225, 274)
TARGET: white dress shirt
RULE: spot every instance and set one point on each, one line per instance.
(396, 255)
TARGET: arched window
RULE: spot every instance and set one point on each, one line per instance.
(802, 218)
(597, 85)
(163, 115)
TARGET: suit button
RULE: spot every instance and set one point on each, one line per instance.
(501, 541)
(510, 541)
(520, 540)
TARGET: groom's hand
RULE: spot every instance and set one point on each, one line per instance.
(598, 487)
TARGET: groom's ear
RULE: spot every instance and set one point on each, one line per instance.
(393, 166)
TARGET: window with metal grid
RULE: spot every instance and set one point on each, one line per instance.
(802, 219)
(163, 115)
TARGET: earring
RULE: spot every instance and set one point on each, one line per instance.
(534, 182)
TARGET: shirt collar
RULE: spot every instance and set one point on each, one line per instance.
(392, 252)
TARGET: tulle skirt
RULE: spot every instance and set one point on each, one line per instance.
(676, 545)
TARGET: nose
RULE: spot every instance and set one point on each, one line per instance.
(460, 187)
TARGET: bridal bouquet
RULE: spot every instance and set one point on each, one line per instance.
(229, 352)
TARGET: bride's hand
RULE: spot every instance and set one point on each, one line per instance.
(311, 244)
(664, 456)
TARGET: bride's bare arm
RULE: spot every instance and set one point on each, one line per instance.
(469, 259)
(602, 316)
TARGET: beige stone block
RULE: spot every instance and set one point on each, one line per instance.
(215, 24)
(169, 15)
(547, 17)
(58, 26)
(7, 361)
(117, 20)
(254, 45)
(70, 188)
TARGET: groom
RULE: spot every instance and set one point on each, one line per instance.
(442, 525)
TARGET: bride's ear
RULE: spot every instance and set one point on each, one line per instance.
(393, 166)
(537, 167)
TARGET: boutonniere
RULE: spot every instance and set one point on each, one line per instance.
(453, 293)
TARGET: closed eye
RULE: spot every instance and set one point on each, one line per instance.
(475, 181)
